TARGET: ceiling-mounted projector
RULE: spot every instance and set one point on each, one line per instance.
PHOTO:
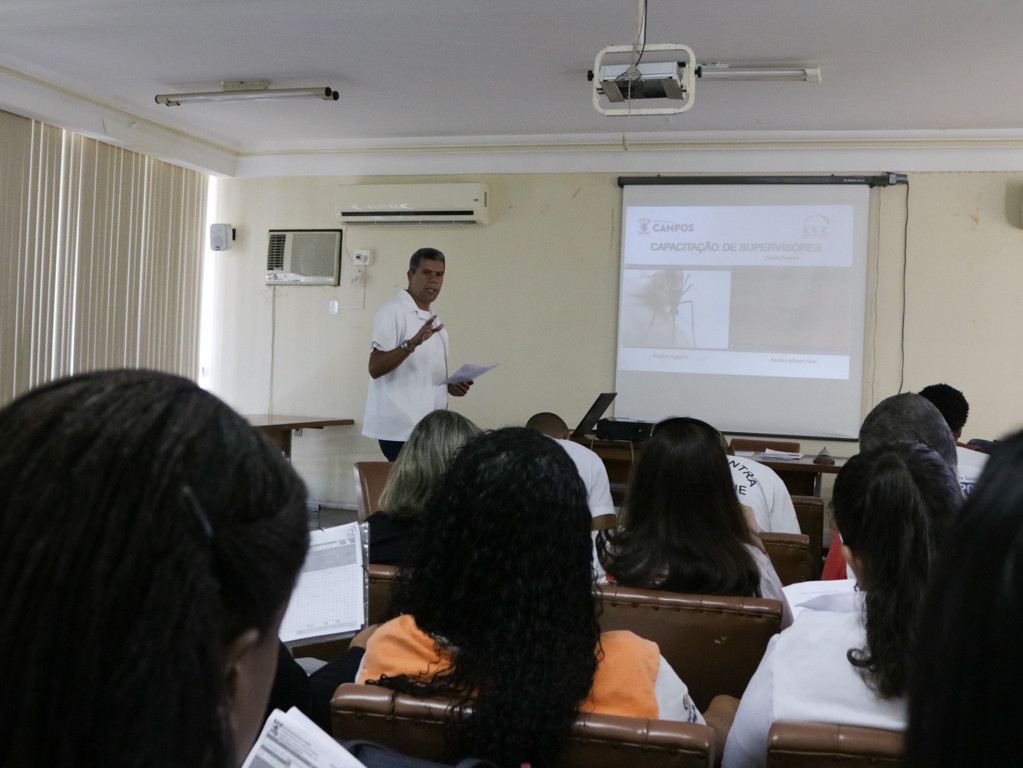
(621, 82)
(659, 78)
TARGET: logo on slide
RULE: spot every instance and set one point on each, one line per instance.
(644, 226)
(816, 227)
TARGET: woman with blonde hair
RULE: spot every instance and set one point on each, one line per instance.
(423, 459)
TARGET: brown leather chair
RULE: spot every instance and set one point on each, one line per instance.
(714, 643)
(370, 477)
(381, 579)
(790, 556)
(809, 745)
(759, 446)
(416, 728)
(810, 515)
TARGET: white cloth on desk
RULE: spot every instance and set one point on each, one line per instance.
(971, 464)
(398, 400)
(760, 488)
(805, 676)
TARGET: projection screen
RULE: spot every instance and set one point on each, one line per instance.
(743, 305)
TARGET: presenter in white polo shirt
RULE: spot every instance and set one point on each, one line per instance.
(408, 360)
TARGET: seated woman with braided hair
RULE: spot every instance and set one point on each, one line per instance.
(849, 660)
(149, 542)
(498, 609)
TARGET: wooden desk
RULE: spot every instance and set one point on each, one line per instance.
(802, 477)
(279, 428)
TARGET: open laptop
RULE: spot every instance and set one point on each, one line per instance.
(589, 421)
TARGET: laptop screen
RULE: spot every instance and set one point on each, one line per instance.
(589, 421)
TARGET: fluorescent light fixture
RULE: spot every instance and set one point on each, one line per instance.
(246, 90)
(718, 71)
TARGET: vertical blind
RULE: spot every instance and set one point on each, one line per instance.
(100, 258)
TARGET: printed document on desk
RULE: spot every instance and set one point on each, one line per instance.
(291, 740)
(469, 372)
(330, 597)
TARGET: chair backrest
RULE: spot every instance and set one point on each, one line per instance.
(416, 727)
(370, 477)
(713, 642)
(759, 446)
(810, 515)
(808, 745)
(790, 556)
(381, 579)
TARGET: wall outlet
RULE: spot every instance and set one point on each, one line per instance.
(362, 257)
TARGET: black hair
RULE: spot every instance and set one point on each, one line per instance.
(964, 697)
(430, 254)
(908, 418)
(143, 526)
(502, 571)
(550, 424)
(682, 528)
(950, 402)
(893, 506)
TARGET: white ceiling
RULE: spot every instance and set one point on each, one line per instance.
(470, 73)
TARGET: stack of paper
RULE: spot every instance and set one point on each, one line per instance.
(330, 597)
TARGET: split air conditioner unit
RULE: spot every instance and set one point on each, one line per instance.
(413, 203)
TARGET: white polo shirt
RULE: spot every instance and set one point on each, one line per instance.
(397, 401)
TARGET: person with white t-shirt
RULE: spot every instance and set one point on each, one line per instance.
(408, 361)
(848, 662)
(953, 406)
(760, 489)
(591, 470)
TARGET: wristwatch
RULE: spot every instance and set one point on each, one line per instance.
(407, 347)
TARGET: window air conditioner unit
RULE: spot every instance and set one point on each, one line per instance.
(413, 203)
(303, 257)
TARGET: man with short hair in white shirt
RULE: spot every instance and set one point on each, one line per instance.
(592, 471)
(954, 407)
(408, 361)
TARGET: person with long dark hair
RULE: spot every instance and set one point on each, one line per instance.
(964, 699)
(850, 661)
(498, 609)
(682, 528)
(149, 543)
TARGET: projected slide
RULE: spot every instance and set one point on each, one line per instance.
(741, 283)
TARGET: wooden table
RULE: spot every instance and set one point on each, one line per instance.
(279, 428)
(801, 476)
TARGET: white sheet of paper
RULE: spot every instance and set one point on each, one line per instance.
(291, 740)
(329, 596)
(469, 372)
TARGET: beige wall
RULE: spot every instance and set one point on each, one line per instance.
(537, 292)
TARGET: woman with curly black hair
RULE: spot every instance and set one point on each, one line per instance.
(682, 527)
(499, 610)
(849, 660)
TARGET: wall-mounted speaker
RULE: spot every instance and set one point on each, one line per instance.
(221, 236)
